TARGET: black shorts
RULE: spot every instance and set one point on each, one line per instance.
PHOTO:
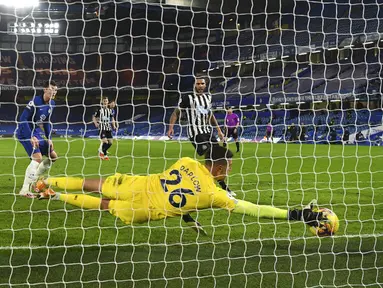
(106, 134)
(203, 142)
(232, 132)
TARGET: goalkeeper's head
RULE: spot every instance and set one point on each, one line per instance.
(219, 161)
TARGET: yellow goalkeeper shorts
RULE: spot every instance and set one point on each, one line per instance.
(128, 197)
(129, 211)
(123, 187)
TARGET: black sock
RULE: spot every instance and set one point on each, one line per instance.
(105, 148)
(237, 144)
(108, 146)
(295, 215)
(224, 144)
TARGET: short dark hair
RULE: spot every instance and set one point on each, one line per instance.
(200, 78)
(49, 82)
(217, 154)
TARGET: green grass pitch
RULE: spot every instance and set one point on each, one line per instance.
(48, 244)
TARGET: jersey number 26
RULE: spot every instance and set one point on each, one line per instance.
(180, 192)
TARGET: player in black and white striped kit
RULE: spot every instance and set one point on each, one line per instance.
(197, 109)
(201, 120)
(103, 120)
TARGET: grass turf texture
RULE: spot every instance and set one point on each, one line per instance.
(46, 243)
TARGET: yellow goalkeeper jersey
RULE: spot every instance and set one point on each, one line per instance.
(185, 187)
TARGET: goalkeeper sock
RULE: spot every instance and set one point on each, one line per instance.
(259, 211)
(30, 175)
(237, 144)
(43, 166)
(79, 200)
(67, 183)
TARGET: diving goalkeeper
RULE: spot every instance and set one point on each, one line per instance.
(185, 187)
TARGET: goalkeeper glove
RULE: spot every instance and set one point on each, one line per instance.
(308, 215)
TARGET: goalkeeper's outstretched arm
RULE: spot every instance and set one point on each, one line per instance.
(259, 211)
(307, 215)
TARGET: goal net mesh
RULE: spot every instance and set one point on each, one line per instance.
(309, 70)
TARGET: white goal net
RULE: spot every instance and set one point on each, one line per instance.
(303, 77)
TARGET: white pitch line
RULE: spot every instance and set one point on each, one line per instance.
(188, 243)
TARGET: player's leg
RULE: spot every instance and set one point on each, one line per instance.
(45, 164)
(93, 185)
(226, 136)
(118, 186)
(104, 142)
(78, 200)
(30, 173)
(100, 153)
(108, 144)
(235, 136)
(201, 144)
(104, 147)
(128, 211)
(70, 183)
(212, 140)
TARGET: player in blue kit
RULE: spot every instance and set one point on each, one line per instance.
(37, 141)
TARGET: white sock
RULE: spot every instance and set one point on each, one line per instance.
(43, 166)
(30, 175)
(100, 148)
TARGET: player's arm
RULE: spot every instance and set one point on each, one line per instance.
(176, 114)
(214, 123)
(222, 200)
(47, 130)
(95, 119)
(259, 211)
(26, 118)
(47, 125)
(173, 118)
(307, 215)
(114, 124)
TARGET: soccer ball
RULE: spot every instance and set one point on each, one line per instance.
(328, 227)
